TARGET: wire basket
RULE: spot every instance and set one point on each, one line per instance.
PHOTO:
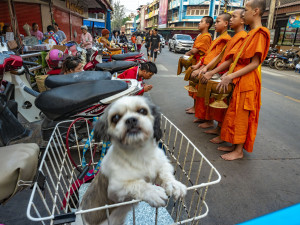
(55, 198)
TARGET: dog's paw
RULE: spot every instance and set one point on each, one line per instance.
(175, 188)
(156, 196)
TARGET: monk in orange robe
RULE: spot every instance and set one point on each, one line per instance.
(240, 123)
(237, 24)
(200, 47)
(215, 49)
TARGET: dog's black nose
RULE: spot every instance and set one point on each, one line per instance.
(131, 122)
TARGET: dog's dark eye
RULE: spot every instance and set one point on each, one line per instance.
(143, 111)
(115, 118)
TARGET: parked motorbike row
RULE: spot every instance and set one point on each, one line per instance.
(287, 60)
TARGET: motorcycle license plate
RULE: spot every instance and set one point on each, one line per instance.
(290, 59)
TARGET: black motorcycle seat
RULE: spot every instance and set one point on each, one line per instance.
(115, 66)
(68, 100)
(54, 81)
(125, 55)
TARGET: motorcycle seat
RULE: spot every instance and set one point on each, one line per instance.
(73, 78)
(115, 66)
(125, 56)
(68, 100)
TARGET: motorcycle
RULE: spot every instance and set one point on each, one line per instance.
(270, 57)
(288, 60)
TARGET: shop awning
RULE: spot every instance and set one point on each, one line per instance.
(89, 23)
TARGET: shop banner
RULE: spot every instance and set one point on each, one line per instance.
(163, 14)
(294, 21)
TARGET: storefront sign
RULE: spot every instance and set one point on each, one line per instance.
(74, 7)
(294, 21)
(163, 14)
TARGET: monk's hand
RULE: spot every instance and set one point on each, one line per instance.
(194, 74)
(225, 81)
(205, 77)
(188, 54)
(204, 70)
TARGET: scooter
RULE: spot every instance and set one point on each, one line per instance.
(288, 60)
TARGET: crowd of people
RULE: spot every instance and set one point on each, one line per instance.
(236, 63)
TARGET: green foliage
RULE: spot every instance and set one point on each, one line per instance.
(118, 16)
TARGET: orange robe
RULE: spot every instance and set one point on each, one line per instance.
(241, 119)
(202, 43)
(234, 43)
(215, 49)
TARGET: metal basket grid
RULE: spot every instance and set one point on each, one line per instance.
(51, 203)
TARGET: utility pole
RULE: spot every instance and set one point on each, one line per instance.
(271, 14)
(218, 13)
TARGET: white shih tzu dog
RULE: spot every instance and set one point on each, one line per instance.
(134, 164)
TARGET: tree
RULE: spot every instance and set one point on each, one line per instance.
(118, 16)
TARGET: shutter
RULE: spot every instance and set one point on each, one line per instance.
(26, 13)
(76, 25)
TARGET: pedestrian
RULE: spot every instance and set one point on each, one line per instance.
(297, 68)
(237, 23)
(154, 45)
(147, 43)
(72, 64)
(86, 42)
(133, 40)
(104, 40)
(123, 38)
(62, 36)
(51, 35)
(36, 33)
(139, 42)
(115, 37)
(143, 72)
(216, 47)
(241, 119)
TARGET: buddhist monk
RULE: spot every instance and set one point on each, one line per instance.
(237, 24)
(200, 47)
(215, 49)
(240, 123)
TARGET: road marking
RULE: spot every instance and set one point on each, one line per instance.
(161, 67)
(272, 73)
(288, 97)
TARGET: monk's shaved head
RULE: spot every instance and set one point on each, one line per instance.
(209, 20)
(260, 4)
(225, 16)
(240, 12)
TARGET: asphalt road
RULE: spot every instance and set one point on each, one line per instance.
(263, 181)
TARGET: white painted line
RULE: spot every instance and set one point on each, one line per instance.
(272, 73)
(161, 67)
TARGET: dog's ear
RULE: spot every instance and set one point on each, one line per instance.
(101, 128)
(157, 120)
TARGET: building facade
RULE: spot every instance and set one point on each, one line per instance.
(283, 34)
(69, 14)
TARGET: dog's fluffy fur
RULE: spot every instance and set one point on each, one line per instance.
(133, 164)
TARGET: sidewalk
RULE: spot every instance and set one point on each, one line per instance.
(275, 72)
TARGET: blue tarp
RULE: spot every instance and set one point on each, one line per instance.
(96, 24)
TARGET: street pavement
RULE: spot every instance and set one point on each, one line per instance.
(262, 182)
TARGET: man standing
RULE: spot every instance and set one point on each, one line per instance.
(154, 45)
(62, 36)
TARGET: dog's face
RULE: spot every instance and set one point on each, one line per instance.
(130, 120)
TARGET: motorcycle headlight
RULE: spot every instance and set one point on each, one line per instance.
(179, 43)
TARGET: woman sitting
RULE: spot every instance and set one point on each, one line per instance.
(104, 40)
(72, 64)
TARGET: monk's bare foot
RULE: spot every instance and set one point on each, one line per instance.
(191, 111)
(233, 155)
(207, 124)
(198, 120)
(213, 131)
(226, 148)
(187, 109)
(217, 140)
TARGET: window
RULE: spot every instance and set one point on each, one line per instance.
(92, 15)
(289, 36)
(297, 41)
(196, 11)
